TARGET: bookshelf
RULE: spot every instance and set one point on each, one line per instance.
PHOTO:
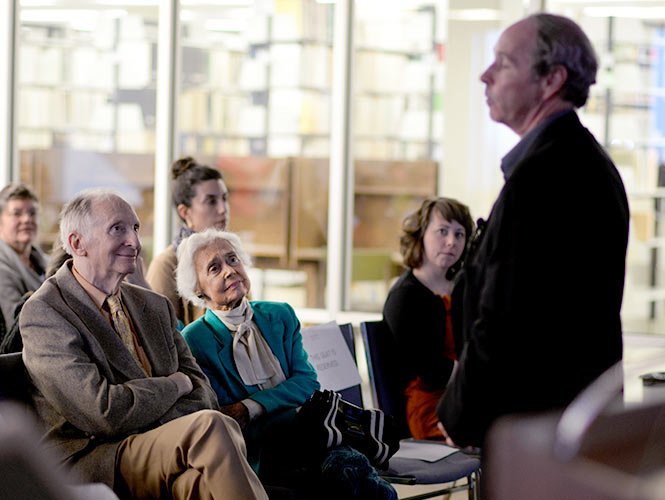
(255, 100)
(625, 112)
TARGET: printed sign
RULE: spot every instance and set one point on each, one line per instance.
(330, 356)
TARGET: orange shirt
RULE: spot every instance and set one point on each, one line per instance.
(449, 348)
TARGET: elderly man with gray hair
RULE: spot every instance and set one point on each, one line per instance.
(544, 286)
(124, 401)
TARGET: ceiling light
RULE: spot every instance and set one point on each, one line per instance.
(626, 12)
(232, 25)
(474, 14)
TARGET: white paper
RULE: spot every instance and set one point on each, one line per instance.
(429, 452)
(330, 356)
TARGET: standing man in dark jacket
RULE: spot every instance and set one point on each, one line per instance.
(544, 286)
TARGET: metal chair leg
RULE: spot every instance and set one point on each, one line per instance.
(478, 487)
(471, 480)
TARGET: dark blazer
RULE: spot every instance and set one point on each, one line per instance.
(89, 391)
(543, 291)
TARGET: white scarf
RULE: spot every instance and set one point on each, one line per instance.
(255, 362)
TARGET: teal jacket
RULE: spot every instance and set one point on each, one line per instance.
(212, 346)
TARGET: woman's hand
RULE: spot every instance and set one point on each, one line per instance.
(446, 437)
(238, 412)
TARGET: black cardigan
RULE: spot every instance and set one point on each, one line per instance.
(416, 318)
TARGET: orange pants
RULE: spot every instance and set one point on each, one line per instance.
(421, 410)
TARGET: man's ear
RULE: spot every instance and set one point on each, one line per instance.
(183, 211)
(76, 242)
(555, 81)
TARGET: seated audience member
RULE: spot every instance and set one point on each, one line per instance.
(253, 355)
(22, 264)
(201, 200)
(123, 400)
(13, 341)
(418, 307)
(58, 256)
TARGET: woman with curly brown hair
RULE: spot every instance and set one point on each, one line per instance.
(418, 308)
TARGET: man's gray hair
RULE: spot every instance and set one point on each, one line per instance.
(560, 41)
(76, 215)
(186, 275)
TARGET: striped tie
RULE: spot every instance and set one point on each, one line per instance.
(121, 325)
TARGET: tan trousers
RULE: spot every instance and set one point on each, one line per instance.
(198, 456)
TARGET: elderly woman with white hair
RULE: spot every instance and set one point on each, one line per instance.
(252, 353)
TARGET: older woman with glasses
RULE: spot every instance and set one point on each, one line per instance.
(22, 264)
(252, 352)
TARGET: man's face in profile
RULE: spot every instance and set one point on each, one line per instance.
(113, 244)
(513, 91)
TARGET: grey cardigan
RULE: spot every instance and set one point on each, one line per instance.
(16, 279)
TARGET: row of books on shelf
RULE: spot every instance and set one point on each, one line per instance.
(130, 65)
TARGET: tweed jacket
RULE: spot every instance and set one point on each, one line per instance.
(543, 290)
(89, 391)
(212, 346)
(161, 276)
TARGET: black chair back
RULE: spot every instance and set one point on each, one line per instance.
(352, 394)
(383, 364)
(14, 383)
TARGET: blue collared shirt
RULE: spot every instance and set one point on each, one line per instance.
(515, 155)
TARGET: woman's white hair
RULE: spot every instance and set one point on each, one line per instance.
(186, 276)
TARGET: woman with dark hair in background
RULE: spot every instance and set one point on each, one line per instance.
(201, 198)
(418, 307)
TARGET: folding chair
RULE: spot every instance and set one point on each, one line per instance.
(352, 394)
(382, 358)
(13, 379)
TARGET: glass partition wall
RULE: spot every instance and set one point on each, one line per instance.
(397, 133)
(254, 95)
(254, 101)
(626, 113)
(85, 110)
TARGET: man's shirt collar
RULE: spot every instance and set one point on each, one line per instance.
(98, 296)
(515, 155)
